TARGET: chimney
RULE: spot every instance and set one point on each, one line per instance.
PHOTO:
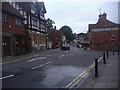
(103, 16)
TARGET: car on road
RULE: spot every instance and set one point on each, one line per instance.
(65, 47)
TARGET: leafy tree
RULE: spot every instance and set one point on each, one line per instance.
(49, 23)
(67, 31)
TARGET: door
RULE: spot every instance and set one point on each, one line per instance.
(6, 46)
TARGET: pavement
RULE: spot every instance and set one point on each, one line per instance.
(107, 75)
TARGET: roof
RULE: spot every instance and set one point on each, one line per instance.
(25, 5)
(102, 23)
(9, 8)
(41, 5)
(105, 23)
(55, 31)
(81, 34)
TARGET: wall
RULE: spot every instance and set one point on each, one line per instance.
(102, 40)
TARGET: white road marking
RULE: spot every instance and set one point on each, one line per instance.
(49, 55)
(66, 51)
(7, 77)
(36, 55)
(61, 56)
(41, 65)
(48, 62)
(37, 58)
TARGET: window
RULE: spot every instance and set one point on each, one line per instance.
(18, 22)
(10, 1)
(25, 14)
(17, 7)
(21, 12)
(4, 18)
(32, 11)
(14, 4)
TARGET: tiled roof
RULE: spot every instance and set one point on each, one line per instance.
(9, 8)
(41, 5)
(25, 5)
(105, 23)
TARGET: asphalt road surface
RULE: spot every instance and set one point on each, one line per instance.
(52, 69)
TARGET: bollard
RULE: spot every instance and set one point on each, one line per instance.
(96, 67)
(107, 55)
(118, 52)
(104, 61)
(113, 53)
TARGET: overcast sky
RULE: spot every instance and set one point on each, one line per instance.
(78, 14)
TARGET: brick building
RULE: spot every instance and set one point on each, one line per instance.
(55, 37)
(12, 31)
(102, 33)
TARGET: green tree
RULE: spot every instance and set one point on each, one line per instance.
(67, 31)
(49, 23)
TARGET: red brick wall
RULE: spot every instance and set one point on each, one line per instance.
(102, 40)
(14, 29)
(55, 42)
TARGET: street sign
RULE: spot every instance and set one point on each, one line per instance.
(113, 39)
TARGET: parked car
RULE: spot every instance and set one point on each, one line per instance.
(65, 47)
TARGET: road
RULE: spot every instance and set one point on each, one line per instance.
(52, 69)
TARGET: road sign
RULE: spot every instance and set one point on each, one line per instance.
(113, 39)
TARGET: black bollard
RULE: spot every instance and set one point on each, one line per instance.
(118, 52)
(113, 53)
(107, 55)
(96, 67)
(104, 61)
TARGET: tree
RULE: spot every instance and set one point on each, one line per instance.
(67, 31)
(49, 23)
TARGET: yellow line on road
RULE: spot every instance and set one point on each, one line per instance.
(78, 80)
(79, 76)
(83, 74)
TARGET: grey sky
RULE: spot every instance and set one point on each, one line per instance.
(78, 14)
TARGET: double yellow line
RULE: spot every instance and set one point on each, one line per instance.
(83, 74)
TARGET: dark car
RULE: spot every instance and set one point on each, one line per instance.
(65, 47)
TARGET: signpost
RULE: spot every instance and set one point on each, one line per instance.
(113, 39)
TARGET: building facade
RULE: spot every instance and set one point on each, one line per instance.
(55, 37)
(83, 40)
(35, 25)
(12, 31)
(104, 35)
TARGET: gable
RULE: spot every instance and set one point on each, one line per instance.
(105, 23)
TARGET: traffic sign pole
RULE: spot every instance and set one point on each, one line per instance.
(113, 39)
